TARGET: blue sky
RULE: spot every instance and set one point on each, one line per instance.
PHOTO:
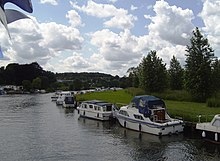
(108, 36)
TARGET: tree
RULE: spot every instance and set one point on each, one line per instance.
(27, 85)
(152, 76)
(216, 75)
(133, 76)
(198, 66)
(175, 74)
(36, 83)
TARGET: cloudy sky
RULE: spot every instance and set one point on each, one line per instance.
(107, 36)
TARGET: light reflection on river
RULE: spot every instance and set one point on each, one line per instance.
(34, 128)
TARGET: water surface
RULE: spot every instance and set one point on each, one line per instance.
(34, 128)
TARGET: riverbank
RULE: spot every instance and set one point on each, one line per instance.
(187, 111)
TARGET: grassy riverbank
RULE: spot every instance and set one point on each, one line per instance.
(188, 111)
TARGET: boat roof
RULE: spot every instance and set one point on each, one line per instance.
(98, 102)
(147, 101)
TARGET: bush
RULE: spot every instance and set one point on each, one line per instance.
(214, 101)
(176, 95)
(135, 91)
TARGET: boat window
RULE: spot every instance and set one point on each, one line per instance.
(109, 107)
(90, 106)
(216, 123)
(96, 107)
(84, 105)
(122, 112)
(138, 117)
(99, 108)
(104, 108)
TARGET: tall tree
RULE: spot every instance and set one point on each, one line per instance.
(152, 76)
(198, 66)
(133, 76)
(216, 75)
(175, 74)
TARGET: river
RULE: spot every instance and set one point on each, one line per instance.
(33, 128)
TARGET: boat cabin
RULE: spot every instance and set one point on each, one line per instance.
(150, 106)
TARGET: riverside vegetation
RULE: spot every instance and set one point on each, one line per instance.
(180, 108)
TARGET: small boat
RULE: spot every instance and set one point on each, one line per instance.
(96, 109)
(210, 130)
(69, 102)
(148, 114)
(55, 96)
(61, 97)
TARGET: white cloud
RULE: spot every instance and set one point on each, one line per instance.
(76, 61)
(119, 18)
(116, 47)
(74, 18)
(133, 8)
(60, 37)
(53, 2)
(34, 41)
(211, 18)
(171, 23)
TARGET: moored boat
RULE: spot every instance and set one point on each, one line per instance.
(148, 114)
(69, 102)
(62, 96)
(210, 130)
(96, 109)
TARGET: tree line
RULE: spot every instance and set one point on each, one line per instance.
(31, 76)
(200, 76)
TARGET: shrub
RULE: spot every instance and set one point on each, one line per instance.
(135, 91)
(213, 102)
(176, 95)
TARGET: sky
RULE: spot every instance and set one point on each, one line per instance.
(107, 36)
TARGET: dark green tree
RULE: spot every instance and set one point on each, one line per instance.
(152, 73)
(133, 77)
(36, 83)
(198, 67)
(27, 85)
(175, 74)
(216, 75)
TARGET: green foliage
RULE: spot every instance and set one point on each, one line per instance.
(198, 67)
(135, 91)
(119, 97)
(14, 74)
(216, 75)
(214, 101)
(189, 111)
(36, 83)
(175, 74)
(27, 85)
(152, 76)
(176, 95)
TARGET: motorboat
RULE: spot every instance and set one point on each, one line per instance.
(210, 130)
(96, 109)
(55, 96)
(69, 102)
(148, 114)
(62, 96)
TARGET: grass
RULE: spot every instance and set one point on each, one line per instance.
(188, 111)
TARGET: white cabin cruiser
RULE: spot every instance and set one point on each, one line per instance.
(210, 130)
(96, 109)
(148, 114)
(69, 102)
(62, 96)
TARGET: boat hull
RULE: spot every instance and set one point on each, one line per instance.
(103, 116)
(208, 132)
(152, 128)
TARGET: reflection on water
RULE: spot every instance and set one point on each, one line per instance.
(34, 128)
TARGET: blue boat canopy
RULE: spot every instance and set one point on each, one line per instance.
(146, 102)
